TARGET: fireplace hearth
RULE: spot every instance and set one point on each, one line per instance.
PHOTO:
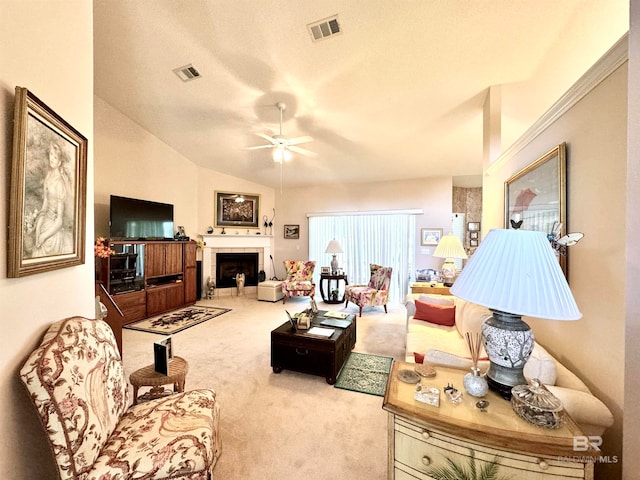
(230, 264)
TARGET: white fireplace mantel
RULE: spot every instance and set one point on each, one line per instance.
(236, 241)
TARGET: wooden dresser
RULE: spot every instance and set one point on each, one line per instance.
(425, 287)
(423, 437)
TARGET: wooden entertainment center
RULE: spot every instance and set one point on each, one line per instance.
(146, 278)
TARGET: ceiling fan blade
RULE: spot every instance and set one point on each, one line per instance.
(261, 146)
(268, 138)
(302, 151)
(299, 140)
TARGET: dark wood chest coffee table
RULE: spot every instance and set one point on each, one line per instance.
(301, 352)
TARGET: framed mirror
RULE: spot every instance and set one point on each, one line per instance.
(535, 198)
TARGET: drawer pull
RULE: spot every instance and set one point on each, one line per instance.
(425, 434)
(542, 464)
(302, 351)
(426, 461)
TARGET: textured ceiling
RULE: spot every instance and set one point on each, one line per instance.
(399, 94)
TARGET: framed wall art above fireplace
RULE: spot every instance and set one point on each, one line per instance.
(237, 209)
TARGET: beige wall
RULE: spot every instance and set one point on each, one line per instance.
(432, 195)
(631, 464)
(596, 136)
(133, 163)
(47, 48)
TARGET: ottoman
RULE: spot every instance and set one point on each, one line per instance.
(270, 291)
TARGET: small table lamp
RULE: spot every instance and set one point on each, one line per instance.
(334, 248)
(514, 273)
(449, 247)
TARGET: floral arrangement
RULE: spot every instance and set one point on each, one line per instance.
(101, 248)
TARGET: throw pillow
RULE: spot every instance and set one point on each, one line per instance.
(435, 300)
(438, 314)
(540, 365)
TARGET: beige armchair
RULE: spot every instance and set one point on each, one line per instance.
(76, 381)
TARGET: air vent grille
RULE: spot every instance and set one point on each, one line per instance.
(187, 73)
(324, 28)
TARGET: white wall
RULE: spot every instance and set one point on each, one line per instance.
(595, 131)
(46, 47)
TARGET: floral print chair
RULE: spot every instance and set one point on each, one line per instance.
(372, 294)
(299, 281)
(76, 380)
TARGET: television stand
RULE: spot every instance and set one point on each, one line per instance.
(146, 278)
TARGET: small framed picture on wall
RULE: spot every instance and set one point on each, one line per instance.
(473, 235)
(430, 236)
(292, 231)
(473, 243)
(473, 226)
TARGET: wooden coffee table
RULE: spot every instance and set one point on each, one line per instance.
(301, 352)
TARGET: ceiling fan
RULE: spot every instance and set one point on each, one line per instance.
(284, 146)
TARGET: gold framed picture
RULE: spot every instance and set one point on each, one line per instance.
(47, 211)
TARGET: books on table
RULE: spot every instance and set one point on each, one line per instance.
(339, 315)
(334, 322)
(321, 331)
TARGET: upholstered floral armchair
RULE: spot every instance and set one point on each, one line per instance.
(76, 380)
(374, 293)
(299, 281)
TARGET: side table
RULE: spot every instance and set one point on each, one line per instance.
(425, 287)
(148, 377)
(424, 438)
(328, 278)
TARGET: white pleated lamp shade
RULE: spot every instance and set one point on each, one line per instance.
(334, 247)
(450, 246)
(516, 271)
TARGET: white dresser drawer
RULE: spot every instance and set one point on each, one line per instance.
(420, 450)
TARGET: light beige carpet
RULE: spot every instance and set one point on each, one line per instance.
(288, 425)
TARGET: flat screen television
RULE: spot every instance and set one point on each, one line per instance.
(134, 219)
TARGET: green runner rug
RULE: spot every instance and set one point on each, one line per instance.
(365, 373)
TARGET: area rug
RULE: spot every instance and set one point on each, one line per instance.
(177, 320)
(365, 373)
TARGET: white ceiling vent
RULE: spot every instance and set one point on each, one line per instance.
(187, 73)
(324, 28)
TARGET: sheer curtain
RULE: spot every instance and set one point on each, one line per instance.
(386, 239)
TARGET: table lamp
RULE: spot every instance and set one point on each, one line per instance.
(449, 247)
(514, 273)
(334, 248)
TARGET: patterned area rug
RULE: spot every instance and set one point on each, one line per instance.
(177, 320)
(365, 373)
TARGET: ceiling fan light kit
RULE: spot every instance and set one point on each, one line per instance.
(284, 146)
(281, 154)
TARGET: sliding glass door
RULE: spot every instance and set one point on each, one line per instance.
(385, 239)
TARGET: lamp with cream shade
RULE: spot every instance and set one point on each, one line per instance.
(449, 247)
(334, 248)
(514, 273)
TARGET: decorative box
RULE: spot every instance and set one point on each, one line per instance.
(425, 394)
(303, 321)
(537, 405)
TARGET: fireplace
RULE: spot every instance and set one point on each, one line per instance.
(230, 264)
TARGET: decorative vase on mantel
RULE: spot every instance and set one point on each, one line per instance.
(475, 384)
